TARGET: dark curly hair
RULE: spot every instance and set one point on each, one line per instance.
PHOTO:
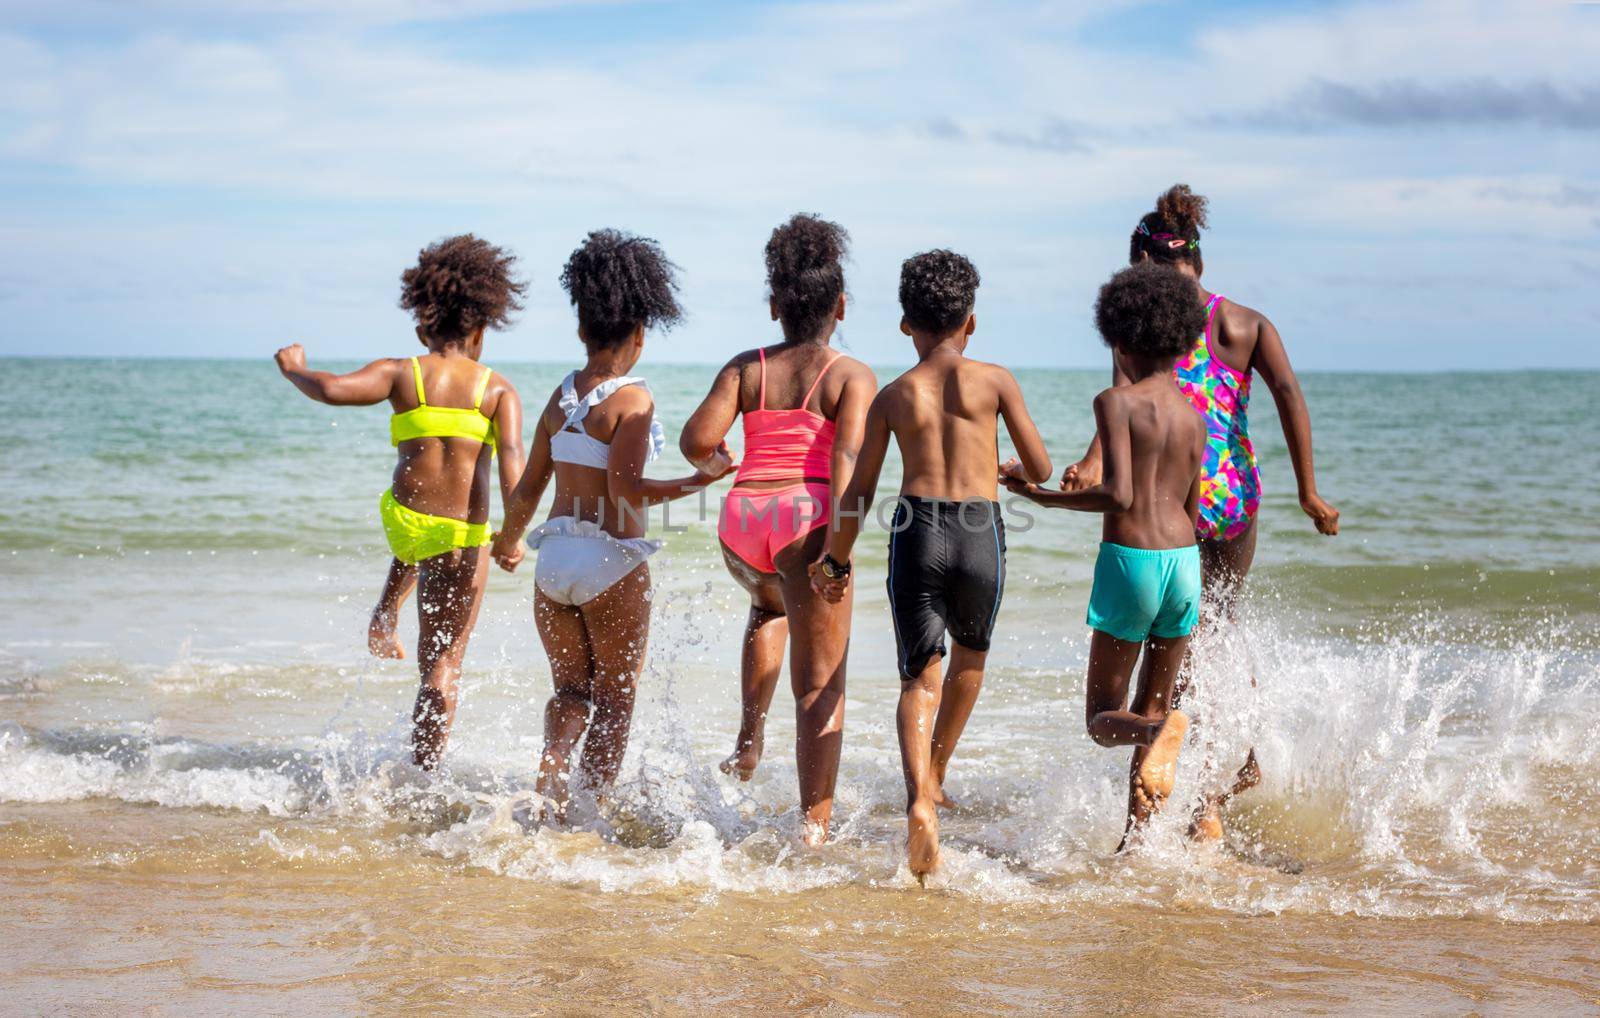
(1151, 310)
(619, 282)
(937, 290)
(1172, 232)
(805, 273)
(460, 285)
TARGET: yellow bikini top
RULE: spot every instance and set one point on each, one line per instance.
(424, 421)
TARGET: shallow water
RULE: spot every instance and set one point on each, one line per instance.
(204, 799)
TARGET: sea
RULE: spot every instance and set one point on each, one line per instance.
(206, 802)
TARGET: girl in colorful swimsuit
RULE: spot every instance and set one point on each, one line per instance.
(1215, 374)
(592, 583)
(451, 415)
(804, 407)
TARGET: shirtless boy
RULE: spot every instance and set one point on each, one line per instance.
(947, 543)
(1146, 592)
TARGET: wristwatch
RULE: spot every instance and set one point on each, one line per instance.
(834, 570)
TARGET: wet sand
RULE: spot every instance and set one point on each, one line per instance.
(142, 910)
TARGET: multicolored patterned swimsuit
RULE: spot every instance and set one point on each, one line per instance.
(1230, 484)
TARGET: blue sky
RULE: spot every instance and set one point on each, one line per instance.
(1401, 185)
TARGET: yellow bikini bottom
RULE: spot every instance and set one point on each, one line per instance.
(415, 536)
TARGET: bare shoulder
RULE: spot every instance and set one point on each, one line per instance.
(855, 371)
(1241, 320)
(996, 376)
(632, 399)
(1116, 397)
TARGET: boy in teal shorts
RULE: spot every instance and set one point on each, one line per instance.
(1146, 593)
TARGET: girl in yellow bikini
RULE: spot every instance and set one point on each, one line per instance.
(450, 417)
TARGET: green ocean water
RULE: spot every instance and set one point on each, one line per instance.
(1470, 499)
(189, 551)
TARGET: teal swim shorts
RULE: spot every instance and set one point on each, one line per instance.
(1144, 592)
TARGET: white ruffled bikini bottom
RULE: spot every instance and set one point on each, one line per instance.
(578, 561)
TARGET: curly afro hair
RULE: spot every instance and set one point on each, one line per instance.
(1149, 310)
(619, 282)
(460, 285)
(1172, 232)
(805, 273)
(937, 290)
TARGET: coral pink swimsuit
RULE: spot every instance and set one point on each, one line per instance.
(757, 523)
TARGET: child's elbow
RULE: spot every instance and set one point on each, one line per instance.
(1121, 499)
(1041, 471)
(694, 448)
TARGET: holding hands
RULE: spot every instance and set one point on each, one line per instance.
(716, 466)
(828, 580)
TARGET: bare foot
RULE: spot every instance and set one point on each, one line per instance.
(741, 764)
(815, 834)
(943, 801)
(1160, 764)
(1207, 824)
(383, 638)
(922, 840)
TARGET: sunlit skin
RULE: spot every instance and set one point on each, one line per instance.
(596, 649)
(441, 477)
(1245, 340)
(943, 415)
(1149, 493)
(783, 607)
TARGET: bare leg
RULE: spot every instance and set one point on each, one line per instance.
(819, 640)
(618, 621)
(566, 715)
(766, 632)
(956, 701)
(450, 592)
(382, 638)
(1223, 568)
(914, 721)
(1151, 726)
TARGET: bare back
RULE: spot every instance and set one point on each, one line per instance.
(944, 416)
(586, 492)
(446, 476)
(1154, 436)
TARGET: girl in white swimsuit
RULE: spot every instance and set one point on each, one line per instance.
(595, 435)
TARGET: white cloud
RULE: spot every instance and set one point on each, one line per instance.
(913, 121)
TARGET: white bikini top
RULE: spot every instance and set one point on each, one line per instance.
(572, 444)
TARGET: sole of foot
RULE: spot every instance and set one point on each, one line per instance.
(922, 840)
(1160, 763)
(1207, 827)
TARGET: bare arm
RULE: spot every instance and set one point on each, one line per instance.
(363, 387)
(508, 440)
(630, 444)
(1036, 466)
(859, 493)
(1086, 472)
(706, 431)
(524, 499)
(1114, 492)
(849, 428)
(1272, 360)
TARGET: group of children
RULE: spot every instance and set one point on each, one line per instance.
(1170, 469)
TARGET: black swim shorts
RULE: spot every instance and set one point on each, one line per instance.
(947, 570)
